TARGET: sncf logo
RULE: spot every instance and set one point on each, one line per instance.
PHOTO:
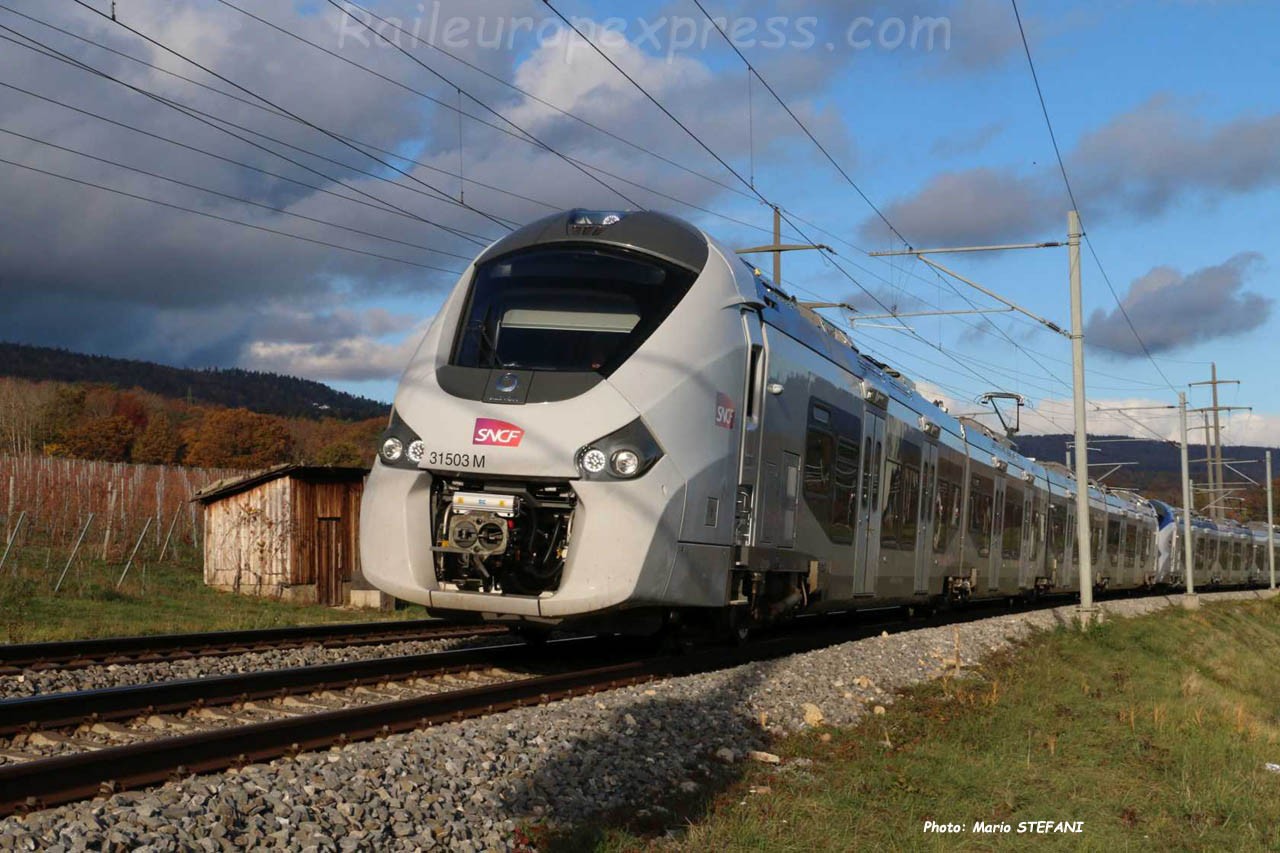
(499, 433)
(725, 411)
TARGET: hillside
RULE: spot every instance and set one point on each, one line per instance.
(1158, 468)
(265, 393)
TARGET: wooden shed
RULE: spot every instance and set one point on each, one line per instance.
(287, 532)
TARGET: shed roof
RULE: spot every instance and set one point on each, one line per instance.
(308, 473)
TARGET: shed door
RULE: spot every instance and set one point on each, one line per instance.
(330, 560)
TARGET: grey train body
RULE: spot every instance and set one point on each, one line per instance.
(614, 421)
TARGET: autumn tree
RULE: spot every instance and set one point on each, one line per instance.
(159, 443)
(239, 438)
(107, 439)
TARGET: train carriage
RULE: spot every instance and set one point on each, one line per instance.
(615, 421)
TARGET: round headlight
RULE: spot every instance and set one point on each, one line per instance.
(626, 463)
(392, 449)
(594, 460)
(416, 449)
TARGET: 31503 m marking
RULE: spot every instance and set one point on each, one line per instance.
(456, 460)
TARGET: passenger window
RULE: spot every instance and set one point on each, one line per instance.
(1013, 521)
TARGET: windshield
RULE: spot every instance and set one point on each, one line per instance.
(580, 310)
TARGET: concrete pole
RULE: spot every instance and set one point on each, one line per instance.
(1271, 535)
(1087, 611)
(1187, 568)
(777, 256)
(1217, 447)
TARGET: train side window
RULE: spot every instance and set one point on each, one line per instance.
(1011, 548)
(947, 506)
(818, 452)
(1037, 527)
(891, 520)
(1057, 529)
(981, 509)
(1113, 539)
(1130, 545)
(844, 496)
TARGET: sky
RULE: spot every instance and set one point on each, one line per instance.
(295, 186)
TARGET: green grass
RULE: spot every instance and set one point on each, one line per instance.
(1151, 731)
(163, 598)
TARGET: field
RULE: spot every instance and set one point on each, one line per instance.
(1155, 733)
(76, 526)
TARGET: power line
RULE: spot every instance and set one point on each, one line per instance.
(231, 197)
(206, 69)
(384, 37)
(215, 216)
(1062, 167)
(391, 24)
(276, 113)
(198, 150)
(799, 123)
(213, 121)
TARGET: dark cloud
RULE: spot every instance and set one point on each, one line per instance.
(1140, 163)
(1172, 310)
(973, 207)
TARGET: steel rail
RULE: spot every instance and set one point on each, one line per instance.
(46, 782)
(142, 649)
(74, 708)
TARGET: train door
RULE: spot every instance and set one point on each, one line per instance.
(749, 457)
(772, 449)
(871, 509)
(995, 556)
(924, 529)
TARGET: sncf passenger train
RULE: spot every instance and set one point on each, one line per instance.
(615, 422)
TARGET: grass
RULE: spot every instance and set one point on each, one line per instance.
(164, 598)
(1154, 732)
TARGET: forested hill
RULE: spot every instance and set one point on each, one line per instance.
(1159, 466)
(268, 393)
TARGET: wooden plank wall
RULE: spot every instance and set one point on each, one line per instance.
(312, 561)
(247, 540)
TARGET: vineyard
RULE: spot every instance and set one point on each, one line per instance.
(110, 508)
(78, 533)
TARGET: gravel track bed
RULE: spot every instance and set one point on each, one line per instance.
(34, 682)
(467, 786)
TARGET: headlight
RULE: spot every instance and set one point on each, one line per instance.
(593, 460)
(400, 447)
(622, 455)
(626, 463)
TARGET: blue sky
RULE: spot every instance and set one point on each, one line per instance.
(1166, 113)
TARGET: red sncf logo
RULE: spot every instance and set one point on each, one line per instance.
(494, 432)
(725, 411)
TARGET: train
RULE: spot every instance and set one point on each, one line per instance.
(616, 423)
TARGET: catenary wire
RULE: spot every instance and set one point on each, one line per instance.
(227, 219)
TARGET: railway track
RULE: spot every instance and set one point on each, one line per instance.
(78, 654)
(229, 741)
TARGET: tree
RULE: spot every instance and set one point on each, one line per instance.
(239, 438)
(107, 439)
(160, 443)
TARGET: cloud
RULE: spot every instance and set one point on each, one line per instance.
(965, 143)
(1172, 310)
(970, 207)
(1141, 163)
(357, 357)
